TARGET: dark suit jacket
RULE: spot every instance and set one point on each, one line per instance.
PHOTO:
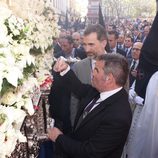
(120, 51)
(103, 132)
(80, 53)
(129, 57)
(59, 101)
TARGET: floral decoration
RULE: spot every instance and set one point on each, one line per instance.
(22, 73)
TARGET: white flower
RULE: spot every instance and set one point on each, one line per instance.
(12, 75)
(22, 56)
(9, 144)
(5, 12)
(6, 56)
(21, 137)
(4, 39)
(29, 106)
(14, 118)
(10, 129)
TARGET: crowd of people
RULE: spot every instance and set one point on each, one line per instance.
(94, 99)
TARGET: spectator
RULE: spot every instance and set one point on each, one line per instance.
(128, 48)
(94, 42)
(112, 38)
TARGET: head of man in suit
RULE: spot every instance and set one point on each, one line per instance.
(128, 41)
(94, 40)
(62, 34)
(146, 30)
(77, 39)
(136, 49)
(110, 72)
(67, 44)
(112, 38)
(121, 38)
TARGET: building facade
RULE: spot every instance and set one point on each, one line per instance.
(93, 11)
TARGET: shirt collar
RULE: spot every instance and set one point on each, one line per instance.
(105, 95)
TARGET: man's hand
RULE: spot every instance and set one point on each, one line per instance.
(60, 65)
(53, 133)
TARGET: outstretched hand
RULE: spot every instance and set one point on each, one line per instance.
(60, 65)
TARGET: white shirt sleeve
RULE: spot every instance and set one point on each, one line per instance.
(65, 71)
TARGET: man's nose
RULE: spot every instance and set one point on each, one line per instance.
(87, 48)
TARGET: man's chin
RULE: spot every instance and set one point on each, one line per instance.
(92, 56)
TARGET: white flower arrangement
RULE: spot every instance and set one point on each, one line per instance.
(42, 37)
(17, 64)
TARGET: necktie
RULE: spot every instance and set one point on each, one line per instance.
(133, 65)
(90, 106)
(87, 110)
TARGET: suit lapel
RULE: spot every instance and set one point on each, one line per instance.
(80, 111)
(102, 106)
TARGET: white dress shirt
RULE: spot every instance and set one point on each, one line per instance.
(105, 95)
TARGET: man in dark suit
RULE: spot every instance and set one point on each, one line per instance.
(145, 33)
(57, 44)
(112, 38)
(120, 41)
(128, 48)
(103, 131)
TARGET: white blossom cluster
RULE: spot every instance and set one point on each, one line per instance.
(17, 37)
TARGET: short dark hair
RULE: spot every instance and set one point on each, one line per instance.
(130, 36)
(117, 65)
(115, 33)
(98, 29)
(69, 39)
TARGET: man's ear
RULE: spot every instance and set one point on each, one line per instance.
(104, 43)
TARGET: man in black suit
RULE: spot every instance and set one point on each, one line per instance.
(128, 48)
(112, 38)
(103, 131)
(57, 45)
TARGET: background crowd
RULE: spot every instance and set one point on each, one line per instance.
(129, 39)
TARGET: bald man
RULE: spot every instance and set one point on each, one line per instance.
(77, 39)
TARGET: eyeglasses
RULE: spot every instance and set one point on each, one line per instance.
(136, 49)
